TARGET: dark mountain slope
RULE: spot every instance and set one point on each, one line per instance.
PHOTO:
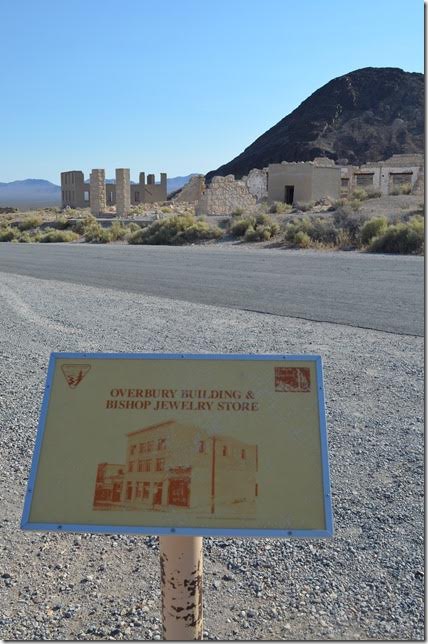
(366, 115)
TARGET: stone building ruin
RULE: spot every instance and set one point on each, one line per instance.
(304, 182)
(99, 195)
(290, 182)
(385, 176)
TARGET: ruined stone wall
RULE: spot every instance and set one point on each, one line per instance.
(151, 191)
(225, 195)
(193, 190)
(97, 196)
(257, 183)
(123, 192)
(73, 189)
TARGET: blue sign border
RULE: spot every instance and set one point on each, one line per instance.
(180, 531)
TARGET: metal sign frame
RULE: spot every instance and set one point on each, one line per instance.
(181, 531)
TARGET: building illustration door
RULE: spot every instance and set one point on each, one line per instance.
(116, 492)
(157, 494)
(179, 491)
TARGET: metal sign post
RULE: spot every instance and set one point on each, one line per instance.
(181, 563)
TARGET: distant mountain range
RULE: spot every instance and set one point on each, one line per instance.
(39, 193)
(366, 115)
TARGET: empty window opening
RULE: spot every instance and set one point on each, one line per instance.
(400, 178)
(365, 179)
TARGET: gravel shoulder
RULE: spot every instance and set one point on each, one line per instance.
(365, 583)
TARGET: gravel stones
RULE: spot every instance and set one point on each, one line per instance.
(365, 583)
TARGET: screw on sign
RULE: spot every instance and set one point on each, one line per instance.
(74, 373)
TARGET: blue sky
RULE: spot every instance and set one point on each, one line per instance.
(176, 85)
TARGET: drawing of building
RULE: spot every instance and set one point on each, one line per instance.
(179, 466)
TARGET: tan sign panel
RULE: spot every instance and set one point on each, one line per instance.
(202, 444)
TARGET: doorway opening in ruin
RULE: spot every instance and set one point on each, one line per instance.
(289, 195)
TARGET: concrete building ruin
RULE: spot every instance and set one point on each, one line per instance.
(386, 176)
(289, 182)
(78, 193)
(303, 182)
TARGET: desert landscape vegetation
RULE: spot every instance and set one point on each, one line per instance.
(366, 222)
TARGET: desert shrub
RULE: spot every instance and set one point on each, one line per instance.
(302, 239)
(71, 212)
(238, 212)
(61, 223)
(355, 205)
(402, 189)
(344, 240)
(259, 228)
(176, 230)
(260, 233)
(96, 234)
(359, 193)
(81, 225)
(25, 238)
(118, 231)
(373, 228)
(372, 193)
(52, 236)
(297, 225)
(403, 238)
(199, 231)
(305, 206)
(166, 209)
(239, 227)
(263, 219)
(133, 227)
(339, 203)
(319, 231)
(8, 234)
(348, 220)
(92, 230)
(280, 208)
(406, 188)
(323, 231)
(30, 222)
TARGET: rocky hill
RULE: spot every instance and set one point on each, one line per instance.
(366, 115)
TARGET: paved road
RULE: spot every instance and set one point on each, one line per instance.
(369, 291)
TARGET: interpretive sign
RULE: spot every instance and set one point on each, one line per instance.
(182, 444)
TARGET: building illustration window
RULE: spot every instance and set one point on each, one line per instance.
(189, 470)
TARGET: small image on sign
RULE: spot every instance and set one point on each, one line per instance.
(180, 467)
(292, 379)
(74, 373)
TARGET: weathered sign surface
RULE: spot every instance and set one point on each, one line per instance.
(183, 444)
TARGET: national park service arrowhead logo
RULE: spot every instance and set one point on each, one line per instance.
(74, 373)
